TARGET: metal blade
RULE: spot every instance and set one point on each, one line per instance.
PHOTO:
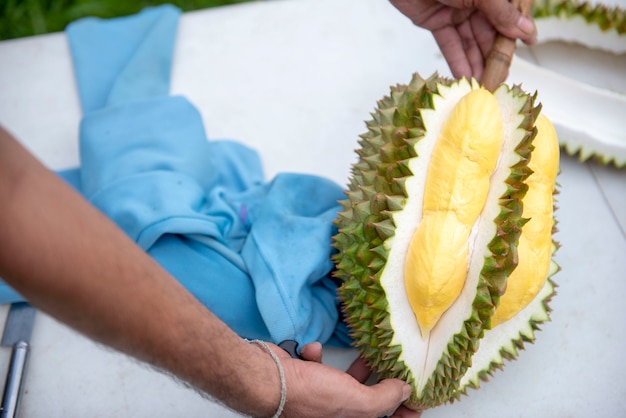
(19, 325)
(17, 331)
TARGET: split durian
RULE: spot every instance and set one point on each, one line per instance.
(579, 66)
(452, 194)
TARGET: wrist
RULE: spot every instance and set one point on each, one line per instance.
(253, 385)
(242, 376)
(281, 376)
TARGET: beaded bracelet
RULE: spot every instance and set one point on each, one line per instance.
(281, 373)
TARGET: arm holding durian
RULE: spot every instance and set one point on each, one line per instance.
(73, 263)
(466, 30)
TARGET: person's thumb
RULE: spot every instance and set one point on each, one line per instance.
(389, 394)
(312, 352)
(508, 20)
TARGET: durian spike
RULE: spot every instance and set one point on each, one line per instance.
(499, 59)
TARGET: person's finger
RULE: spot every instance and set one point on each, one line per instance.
(312, 352)
(426, 16)
(359, 370)
(508, 20)
(387, 395)
(451, 46)
(404, 412)
(473, 54)
(505, 17)
(484, 33)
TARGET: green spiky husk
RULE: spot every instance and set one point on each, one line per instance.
(605, 17)
(377, 190)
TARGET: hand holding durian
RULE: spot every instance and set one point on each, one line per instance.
(467, 33)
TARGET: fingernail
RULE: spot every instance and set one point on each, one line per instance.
(406, 392)
(526, 25)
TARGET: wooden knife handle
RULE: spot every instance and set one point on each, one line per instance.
(499, 59)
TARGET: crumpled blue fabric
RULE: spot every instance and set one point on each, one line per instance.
(255, 252)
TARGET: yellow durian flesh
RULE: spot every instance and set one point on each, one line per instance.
(535, 244)
(457, 184)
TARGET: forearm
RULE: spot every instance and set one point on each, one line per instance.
(70, 261)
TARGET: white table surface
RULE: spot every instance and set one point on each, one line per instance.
(296, 79)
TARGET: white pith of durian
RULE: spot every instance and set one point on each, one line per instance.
(407, 333)
(577, 30)
(587, 119)
(586, 105)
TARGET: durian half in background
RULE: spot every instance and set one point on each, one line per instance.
(445, 239)
(579, 67)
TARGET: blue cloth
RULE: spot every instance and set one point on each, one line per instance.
(255, 252)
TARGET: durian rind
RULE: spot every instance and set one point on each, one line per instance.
(586, 117)
(605, 18)
(378, 193)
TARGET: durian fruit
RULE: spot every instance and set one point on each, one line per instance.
(429, 233)
(578, 64)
